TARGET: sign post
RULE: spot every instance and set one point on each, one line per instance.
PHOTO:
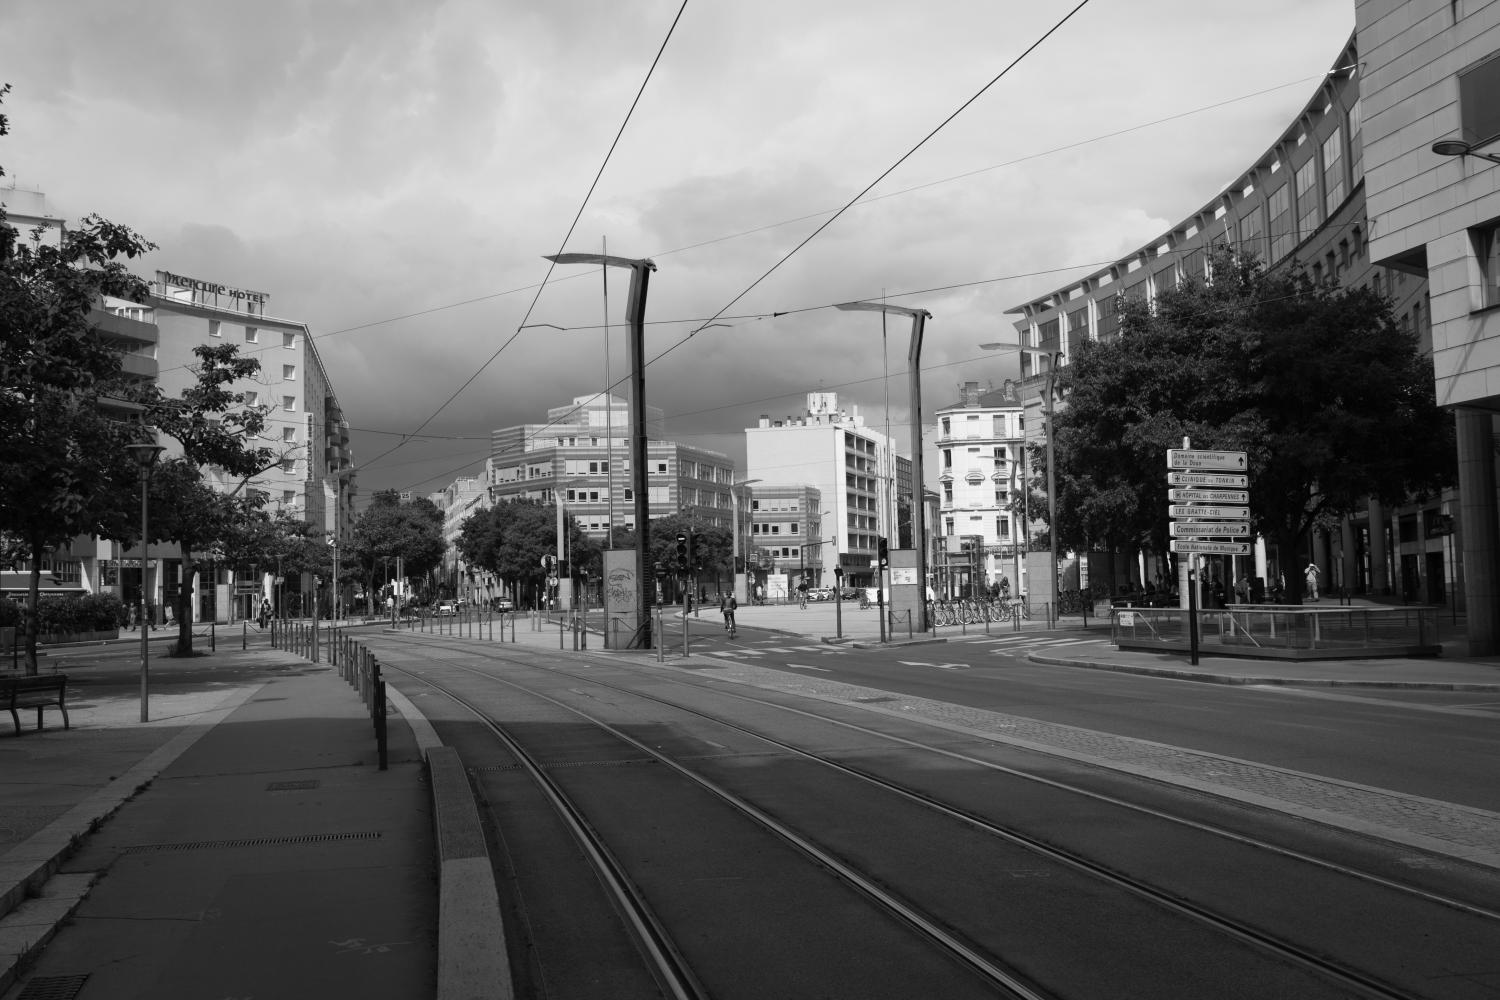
(1211, 512)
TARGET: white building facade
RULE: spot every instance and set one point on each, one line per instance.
(980, 440)
(861, 480)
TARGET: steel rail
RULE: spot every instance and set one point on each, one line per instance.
(1233, 928)
(964, 953)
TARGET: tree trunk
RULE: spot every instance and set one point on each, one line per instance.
(184, 645)
(31, 622)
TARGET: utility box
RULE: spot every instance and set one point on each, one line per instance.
(908, 594)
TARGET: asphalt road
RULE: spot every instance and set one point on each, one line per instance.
(1440, 745)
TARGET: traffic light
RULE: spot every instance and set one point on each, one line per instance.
(682, 553)
(884, 549)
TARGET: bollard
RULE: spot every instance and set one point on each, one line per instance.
(245, 636)
(213, 637)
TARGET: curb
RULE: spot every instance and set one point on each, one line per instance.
(1208, 678)
(472, 959)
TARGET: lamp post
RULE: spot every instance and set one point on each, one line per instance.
(145, 456)
(1458, 147)
(741, 595)
(1054, 358)
(635, 309)
(919, 319)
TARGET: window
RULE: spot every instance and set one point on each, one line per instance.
(1478, 111)
(288, 465)
(1279, 208)
(1308, 215)
(1486, 240)
(793, 528)
(289, 403)
(288, 340)
(252, 398)
(947, 427)
(215, 328)
(289, 434)
(661, 468)
(252, 335)
(289, 372)
(1333, 172)
(288, 496)
(1251, 232)
(947, 458)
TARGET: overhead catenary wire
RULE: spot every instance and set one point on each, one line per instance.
(473, 300)
(563, 243)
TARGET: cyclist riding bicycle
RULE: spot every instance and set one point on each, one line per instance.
(802, 591)
(729, 607)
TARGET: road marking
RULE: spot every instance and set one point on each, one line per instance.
(939, 666)
(804, 666)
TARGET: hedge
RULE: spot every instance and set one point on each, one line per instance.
(62, 615)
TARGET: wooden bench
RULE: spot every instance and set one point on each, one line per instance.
(34, 692)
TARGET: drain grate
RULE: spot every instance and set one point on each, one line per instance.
(53, 987)
(211, 845)
(293, 786)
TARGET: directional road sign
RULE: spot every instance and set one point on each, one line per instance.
(1200, 510)
(1188, 546)
(1208, 529)
(1221, 479)
(1184, 458)
(1209, 496)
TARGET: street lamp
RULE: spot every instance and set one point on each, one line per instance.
(1054, 359)
(640, 276)
(919, 319)
(1458, 147)
(734, 502)
(145, 456)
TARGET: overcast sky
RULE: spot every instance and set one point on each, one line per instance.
(391, 173)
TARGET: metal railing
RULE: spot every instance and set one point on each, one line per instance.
(1278, 631)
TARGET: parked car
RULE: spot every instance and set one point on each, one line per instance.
(504, 604)
(820, 594)
(447, 608)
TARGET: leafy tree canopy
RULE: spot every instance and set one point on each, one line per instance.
(1330, 398)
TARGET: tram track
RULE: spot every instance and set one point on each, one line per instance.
(1342, 977)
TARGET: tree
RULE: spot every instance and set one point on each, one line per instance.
(217, 430)
(510, 539)
(390, 529)
(63, 468)
(1332, 401)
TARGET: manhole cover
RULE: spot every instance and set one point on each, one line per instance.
(53, 987)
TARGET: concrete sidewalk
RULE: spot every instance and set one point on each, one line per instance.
(242, 843)
(1455, 670)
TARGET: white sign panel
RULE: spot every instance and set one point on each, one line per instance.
(1201, 510)
(903, 575)
(1183, 458)
(1207, 479)
(1207, 529)
(1188, 546)
(1127, 619)
(1210, 496)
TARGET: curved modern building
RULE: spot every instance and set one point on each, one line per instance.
(1354, 191)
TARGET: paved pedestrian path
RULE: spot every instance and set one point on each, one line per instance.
(243, 842)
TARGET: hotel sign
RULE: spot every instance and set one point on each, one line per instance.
(210, 287)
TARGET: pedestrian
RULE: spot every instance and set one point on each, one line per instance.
(1311, 573)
